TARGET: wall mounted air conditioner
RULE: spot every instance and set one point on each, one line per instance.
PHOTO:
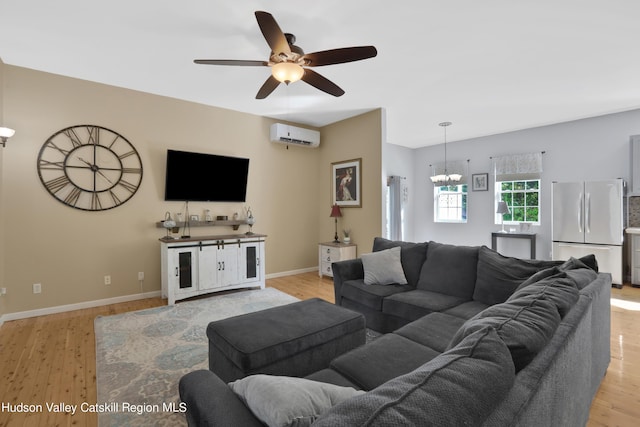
(286, 134)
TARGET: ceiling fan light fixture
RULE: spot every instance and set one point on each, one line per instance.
(287, 72)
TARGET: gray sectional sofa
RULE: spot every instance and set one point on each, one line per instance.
(474, 338)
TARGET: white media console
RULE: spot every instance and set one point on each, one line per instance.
(205, 264)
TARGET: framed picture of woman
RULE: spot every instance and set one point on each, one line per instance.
(346, 178)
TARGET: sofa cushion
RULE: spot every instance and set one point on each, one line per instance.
(461, 387)
(331, 376)
(525, 324)
(383, 268)
(498, 276)
(383, 359)
(287, 401)
(412, 256)
(370, 295)
(466, 310)
(412, 305)
(559, 288)
(582, 276)
(449, 270)
(434, 330)
(586, 263)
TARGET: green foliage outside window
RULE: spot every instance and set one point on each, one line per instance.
(522, 197)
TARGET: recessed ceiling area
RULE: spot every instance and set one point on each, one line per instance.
(489, 67)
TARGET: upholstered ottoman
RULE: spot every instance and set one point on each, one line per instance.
(294, 339)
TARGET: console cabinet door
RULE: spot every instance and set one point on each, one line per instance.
(228, 258)
(209, 266)
(183, 270)
(250, 262)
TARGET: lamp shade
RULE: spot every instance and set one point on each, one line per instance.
(335, 212)
(287, 72)
(6, 132)
(503, 208)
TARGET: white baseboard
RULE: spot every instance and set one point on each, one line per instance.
(125, 298)
(291, 272)
(78, 306)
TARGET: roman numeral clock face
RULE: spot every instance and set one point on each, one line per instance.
(91, 168)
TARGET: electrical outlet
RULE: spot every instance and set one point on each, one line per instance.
(107, 280)
(3, 291)
(37, 288)
(140, 275)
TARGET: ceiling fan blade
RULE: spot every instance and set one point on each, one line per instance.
(272, 33)
(340, 56)
(269, 86)
(238, 62)
(322, 83)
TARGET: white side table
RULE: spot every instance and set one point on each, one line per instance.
(330, 252)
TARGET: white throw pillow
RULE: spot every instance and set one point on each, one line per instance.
(288, 401)
(383, 267)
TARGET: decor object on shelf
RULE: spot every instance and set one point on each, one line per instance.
(335, 214)
(480, 182)
(346, 179)
(250, 220)
(89, 167)
(347, 235)
(207, 215)
(502, 209)
(169, 224)
(5, 134)
(446, 178)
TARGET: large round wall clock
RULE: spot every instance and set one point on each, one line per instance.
(90, 167)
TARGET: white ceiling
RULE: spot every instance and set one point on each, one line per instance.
(489, 66)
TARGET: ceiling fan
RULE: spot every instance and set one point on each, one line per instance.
(289, 63)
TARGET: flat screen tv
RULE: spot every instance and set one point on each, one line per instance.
(200, 177)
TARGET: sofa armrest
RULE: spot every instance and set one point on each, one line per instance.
(350, 269)
(210, 402)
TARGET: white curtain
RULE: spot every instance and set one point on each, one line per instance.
(518, 166)
(397, 194)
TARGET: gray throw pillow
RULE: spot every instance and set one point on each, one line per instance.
(383, 268)
(461, 387)
(287, 401)
(412, 256)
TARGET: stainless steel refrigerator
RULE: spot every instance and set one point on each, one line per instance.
(588, 218)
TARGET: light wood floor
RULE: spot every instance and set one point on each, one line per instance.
(52, 358)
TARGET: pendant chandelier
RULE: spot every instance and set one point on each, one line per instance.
(446, 178)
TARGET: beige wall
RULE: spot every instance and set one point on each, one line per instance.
(69, 251)
(357, 137)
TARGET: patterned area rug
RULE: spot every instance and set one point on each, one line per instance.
(141, 356)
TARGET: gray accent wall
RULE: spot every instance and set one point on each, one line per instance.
(588, 149)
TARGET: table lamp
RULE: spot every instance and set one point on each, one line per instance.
(502, 209)
(336, 213)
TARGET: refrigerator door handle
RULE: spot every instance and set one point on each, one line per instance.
(580, 208)
(587, 211)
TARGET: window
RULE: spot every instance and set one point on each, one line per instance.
(450, 203)
(523, 199)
